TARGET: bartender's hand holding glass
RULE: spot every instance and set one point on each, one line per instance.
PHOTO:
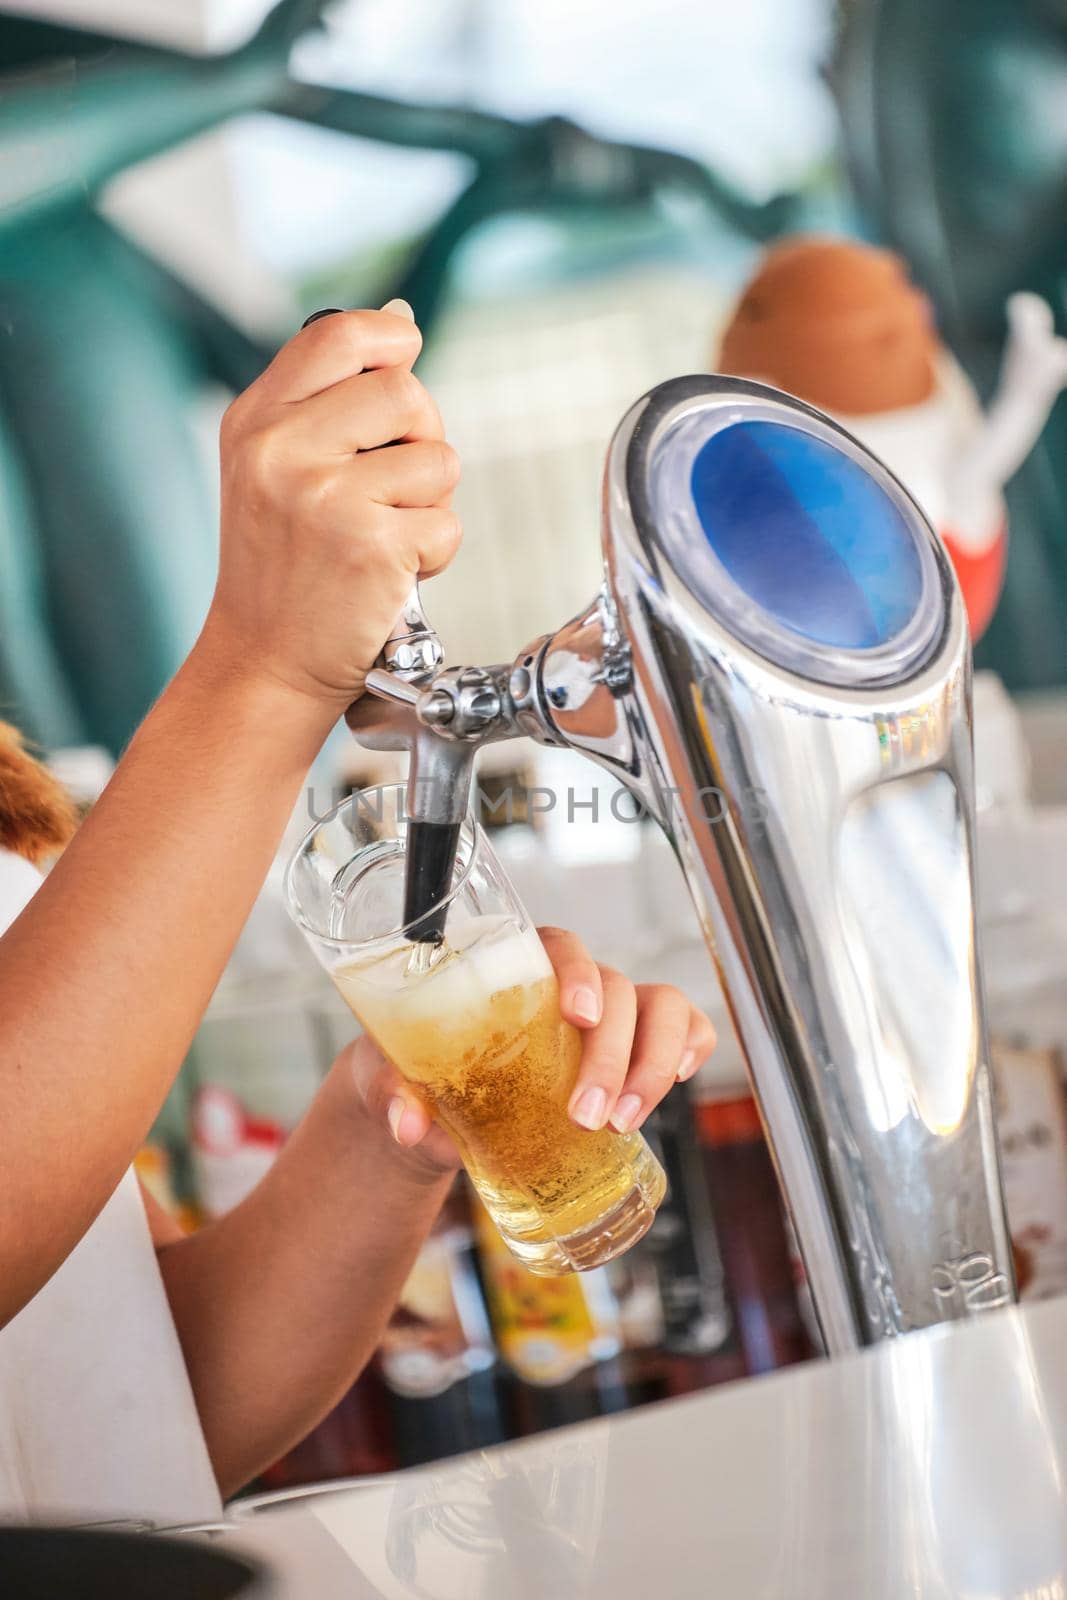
(336, 496)
(638, 1040)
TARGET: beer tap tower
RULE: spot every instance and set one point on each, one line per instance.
(778, 666)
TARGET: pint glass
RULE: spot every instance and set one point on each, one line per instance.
(474, 1023)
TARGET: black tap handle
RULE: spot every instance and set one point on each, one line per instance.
(327, 311)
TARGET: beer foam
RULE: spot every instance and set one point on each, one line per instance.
(482, 956)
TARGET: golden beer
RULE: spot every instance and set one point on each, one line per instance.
(476, 1025)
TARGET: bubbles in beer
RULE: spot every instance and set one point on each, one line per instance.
(475, 1023)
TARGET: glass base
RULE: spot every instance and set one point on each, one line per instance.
(610, 1236)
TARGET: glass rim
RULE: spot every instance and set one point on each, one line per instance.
(296, 910)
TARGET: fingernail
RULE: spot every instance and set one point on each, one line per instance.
(626, 1113)
(585, 1004)
(687, 1066)
(399, 308)
(589, 1109)
(395, 1114)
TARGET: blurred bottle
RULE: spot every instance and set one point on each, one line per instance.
(431, 1390)
(683, 1241)
(606, 1388)
(231, 1146)
(472, 1414)
(154, 1167)
(439, 1333)
(255, 1066)
(1024, 945)
(747, 1205)
(1032, 1126)
(678, 1327)
(1022, 880)
(546, 1329)
(634, 1282)
(561, 1340)
(437, 1357)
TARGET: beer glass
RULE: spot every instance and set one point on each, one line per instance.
(474, 1023)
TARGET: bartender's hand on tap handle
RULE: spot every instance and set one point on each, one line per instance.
(639, 1040)
(336, 484)
(336, 496)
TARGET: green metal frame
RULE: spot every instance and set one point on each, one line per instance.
(106, 528)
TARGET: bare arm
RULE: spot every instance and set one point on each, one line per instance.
(104, 976)
(280, 1304)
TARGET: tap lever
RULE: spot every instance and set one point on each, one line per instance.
(394, 686)
(460, 704)
(413, 650)
(467, 703)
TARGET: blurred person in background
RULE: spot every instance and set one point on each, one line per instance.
(143, 1372)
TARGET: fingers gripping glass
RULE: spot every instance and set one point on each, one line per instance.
(475, 1024)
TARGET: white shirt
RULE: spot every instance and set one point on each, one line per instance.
(97, 1418)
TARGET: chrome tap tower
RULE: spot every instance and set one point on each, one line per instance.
(778, 666)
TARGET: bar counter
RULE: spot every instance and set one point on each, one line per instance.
(931, 1466)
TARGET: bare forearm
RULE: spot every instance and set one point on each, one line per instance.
(279, 1305)
(104, 977)
(335, 483)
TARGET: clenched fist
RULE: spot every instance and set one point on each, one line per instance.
(336, 496)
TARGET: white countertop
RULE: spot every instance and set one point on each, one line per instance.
(934, 1467)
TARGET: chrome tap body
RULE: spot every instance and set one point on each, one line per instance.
(785, 686)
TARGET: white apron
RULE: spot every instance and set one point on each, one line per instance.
(97, 1418)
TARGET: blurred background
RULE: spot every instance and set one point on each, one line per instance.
(579, 200)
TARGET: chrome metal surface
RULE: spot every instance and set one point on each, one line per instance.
(932, 1466)
(826, 836)
(467, 703)
(439, 776)
(820, 798)
(441, 720)
(413, 649)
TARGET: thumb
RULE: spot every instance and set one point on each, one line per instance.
(385, 1093)
(401, 308)
(408, 1119)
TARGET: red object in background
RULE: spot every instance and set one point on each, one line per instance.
(981, 577)
(231, 1148)
(752, 1236)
